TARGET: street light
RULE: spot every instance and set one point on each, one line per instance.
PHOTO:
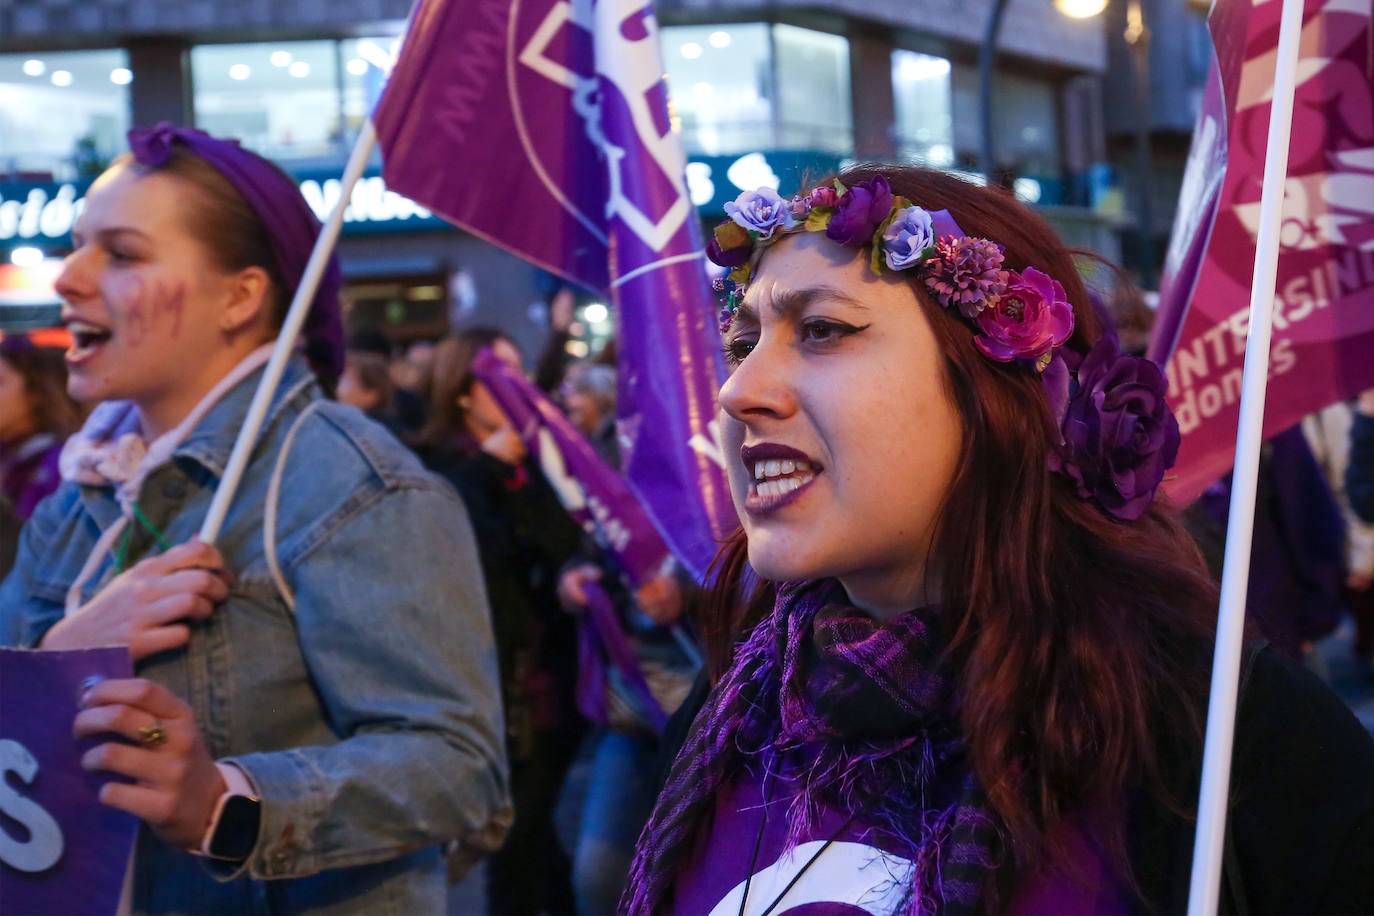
(1137, 37)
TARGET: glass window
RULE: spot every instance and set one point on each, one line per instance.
(720, 85)
(814, 108)
(1025, 122)
(281, 99)
(921, 97)
(366, 63)
(88, 90)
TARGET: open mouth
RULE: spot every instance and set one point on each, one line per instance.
(87, 339)
(780, 476)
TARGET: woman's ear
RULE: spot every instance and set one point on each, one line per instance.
(248, 300)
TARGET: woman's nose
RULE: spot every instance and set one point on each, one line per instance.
(762, 385)
(76, 279)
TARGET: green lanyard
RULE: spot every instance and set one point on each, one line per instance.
(122, 552)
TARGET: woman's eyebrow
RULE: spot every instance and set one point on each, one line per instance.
(791, 302)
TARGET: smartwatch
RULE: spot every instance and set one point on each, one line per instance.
(233, 828)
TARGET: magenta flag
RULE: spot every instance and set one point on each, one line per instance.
(543, 127)
(61, 850)
(1323, 340)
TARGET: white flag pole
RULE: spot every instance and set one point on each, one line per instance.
(286, 340)
(1205, 889)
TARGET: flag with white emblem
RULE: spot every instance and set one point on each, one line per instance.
(543, 127)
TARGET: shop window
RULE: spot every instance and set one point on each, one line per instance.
(921, 98)
(1025, 122)
(814, 108)
(281, 99)
(720, 84)
(91, 91)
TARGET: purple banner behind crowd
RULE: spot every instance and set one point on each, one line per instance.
(71, 851)
(594, 494)
(542, 126)
(1324, 307)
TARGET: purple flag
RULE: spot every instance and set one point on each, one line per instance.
(1324, 307)
(543, 127)
(594, 494)
(72, 851)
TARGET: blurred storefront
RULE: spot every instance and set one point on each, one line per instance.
(761, 94)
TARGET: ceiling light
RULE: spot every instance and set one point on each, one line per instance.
(1080, 9)
(26, 256)
(61, 78)
(595, 313)
(298, 69)
(34, 67)
(719, 39)
(280, 58)
(240, 72)
(357, 66)
(121, 76)
(691, 50)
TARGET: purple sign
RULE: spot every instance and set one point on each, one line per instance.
(1324, 303)
(593, 493)
(61, 850)
(543, 127)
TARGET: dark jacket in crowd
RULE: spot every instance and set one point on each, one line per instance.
(1359, 473)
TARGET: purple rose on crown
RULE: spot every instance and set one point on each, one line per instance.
(1119, 434)
(1029, 319)
(761, 212)
(908, 238)
(859, 211)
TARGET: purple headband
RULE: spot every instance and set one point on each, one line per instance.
(290, 223)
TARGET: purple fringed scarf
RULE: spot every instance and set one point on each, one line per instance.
(870, 710)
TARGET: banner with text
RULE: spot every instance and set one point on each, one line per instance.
(61, 850)
(1323, 340)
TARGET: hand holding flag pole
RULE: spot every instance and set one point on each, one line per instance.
(1205, 887)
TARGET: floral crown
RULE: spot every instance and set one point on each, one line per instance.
(1117, 435)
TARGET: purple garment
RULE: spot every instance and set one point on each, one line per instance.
(860, 872)
(29, 472)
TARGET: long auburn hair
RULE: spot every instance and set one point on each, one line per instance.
(450, 378)
(1079, 638)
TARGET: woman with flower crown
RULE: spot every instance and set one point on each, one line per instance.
(315, 715)
(960, 648)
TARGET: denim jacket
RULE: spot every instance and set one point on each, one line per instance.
(368, 716)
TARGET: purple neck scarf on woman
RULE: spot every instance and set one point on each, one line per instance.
(290, 223)
(870, 707)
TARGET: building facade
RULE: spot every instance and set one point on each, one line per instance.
(761, 91)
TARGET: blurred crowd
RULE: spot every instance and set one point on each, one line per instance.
(1313, 567)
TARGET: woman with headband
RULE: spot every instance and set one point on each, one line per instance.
(961, 651)
(315, 715)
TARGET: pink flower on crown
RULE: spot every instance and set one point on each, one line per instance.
(823, 196)
(1029, 319)
(966, 272)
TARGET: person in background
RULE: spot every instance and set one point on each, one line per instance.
(366, 385)
(1359, 473)
(315, 719)
(960, 651)
(524, 536)
(407, 406)
(624, 747)
(588, 393)
(36, 416)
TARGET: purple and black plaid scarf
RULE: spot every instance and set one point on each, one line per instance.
(869, 708)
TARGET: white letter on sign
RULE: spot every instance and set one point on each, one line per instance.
(44, 847)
